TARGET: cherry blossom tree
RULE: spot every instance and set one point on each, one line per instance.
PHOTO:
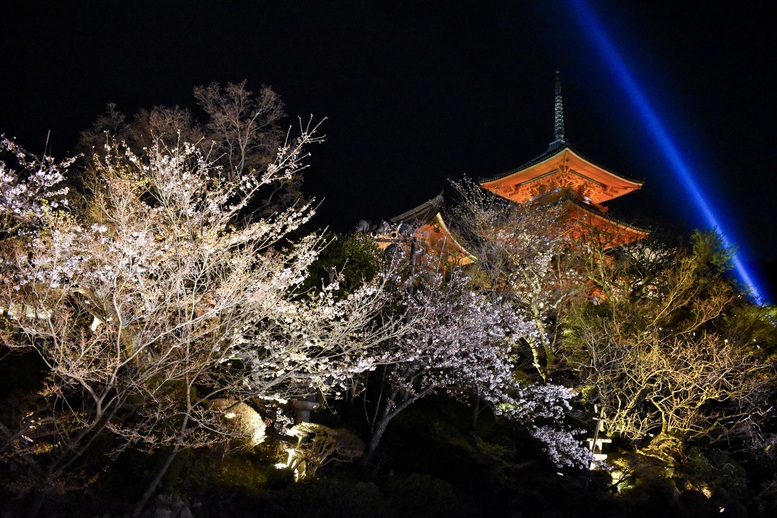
(29, 187)
(461, 343)
(239, 131)
(163, 298)
(525, 258)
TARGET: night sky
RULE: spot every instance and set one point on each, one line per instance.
(416, 92)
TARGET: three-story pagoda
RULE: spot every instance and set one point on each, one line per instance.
(563, 174)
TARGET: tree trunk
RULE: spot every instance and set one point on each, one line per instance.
(155, 483)
(375, 439)
(388, 415)
(475, 412)
(161, 473)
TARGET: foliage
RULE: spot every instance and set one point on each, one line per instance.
(460, 342)
(179, 293)
(351, 259)
(524, 256)
(426, 496)
(162, 296)
(319, 445)
(240, 133)
(30, 187)
(241, 128)
(664, 349)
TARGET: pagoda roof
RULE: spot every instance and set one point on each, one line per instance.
(431, 229)
(560, 166)
(609, 231)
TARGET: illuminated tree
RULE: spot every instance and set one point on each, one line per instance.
(647, 332)
(524, 255)
(242, 129)
(662, 348)
(460, 343)
(161, 300)
(29, 188)
(240, 133)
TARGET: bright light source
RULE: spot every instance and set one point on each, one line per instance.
(661, 137)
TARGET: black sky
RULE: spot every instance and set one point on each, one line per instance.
(416, 92)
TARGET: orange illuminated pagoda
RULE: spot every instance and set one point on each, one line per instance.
(561, 173)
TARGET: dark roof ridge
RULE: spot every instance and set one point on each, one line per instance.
(426, 211)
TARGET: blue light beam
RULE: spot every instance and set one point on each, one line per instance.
(658, 132)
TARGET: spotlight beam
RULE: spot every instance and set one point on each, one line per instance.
(658, 132)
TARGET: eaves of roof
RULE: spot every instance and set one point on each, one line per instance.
(555, 148)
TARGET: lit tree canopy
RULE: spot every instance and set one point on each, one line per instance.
(461, 342)
(163, 295)
(669, 348)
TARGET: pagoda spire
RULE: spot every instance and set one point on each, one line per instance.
(558, 119)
